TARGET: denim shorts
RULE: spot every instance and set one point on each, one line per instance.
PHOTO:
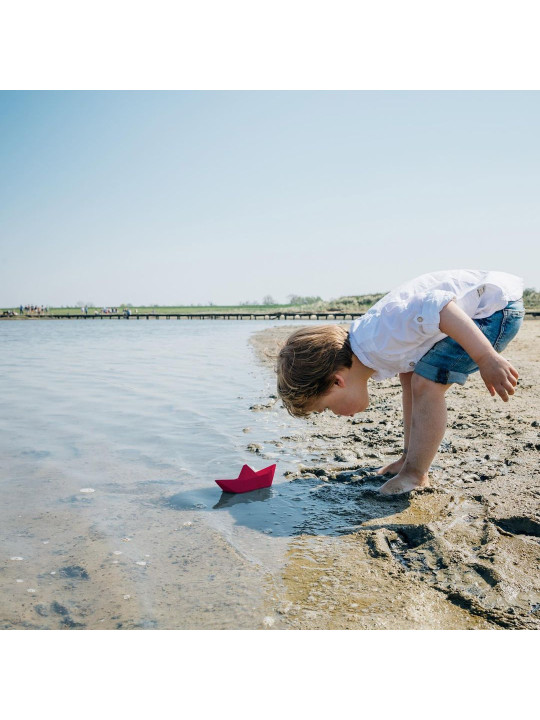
(447, 362)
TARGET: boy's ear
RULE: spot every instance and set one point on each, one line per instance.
(339, 380)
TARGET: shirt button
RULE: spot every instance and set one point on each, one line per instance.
(411, 364)
(420, 319)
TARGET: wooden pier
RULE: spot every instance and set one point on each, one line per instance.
(209, 316)
(215, 316)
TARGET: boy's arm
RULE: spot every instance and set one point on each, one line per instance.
(497, 373)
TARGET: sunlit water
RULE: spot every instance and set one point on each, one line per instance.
(111, 436)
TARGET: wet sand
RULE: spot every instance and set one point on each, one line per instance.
(464, 554)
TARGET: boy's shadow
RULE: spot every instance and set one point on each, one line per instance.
(304, 506)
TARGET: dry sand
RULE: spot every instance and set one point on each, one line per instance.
(464, 554)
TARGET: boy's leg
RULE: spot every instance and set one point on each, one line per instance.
(406, 399)
(428, 424)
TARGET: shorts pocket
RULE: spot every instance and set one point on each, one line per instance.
(510, 326)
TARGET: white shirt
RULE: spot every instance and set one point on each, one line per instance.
(399, 329)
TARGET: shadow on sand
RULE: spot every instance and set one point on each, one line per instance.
(303, 506)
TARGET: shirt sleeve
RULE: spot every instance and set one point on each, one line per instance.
(429, 315)
(401, 325)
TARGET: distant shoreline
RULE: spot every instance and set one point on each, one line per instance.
(298, 304)
(304, 307)
(238, 316)
(284, 315)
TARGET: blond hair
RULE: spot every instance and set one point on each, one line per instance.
(307, 364)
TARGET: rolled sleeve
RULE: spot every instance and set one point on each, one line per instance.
(429, 316)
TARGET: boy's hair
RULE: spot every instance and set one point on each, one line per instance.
(307, 364)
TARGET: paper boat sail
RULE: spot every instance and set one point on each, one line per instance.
(249, 480)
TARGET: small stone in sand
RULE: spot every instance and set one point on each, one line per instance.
(126, 597)
(45, 542)
(87, 490)
(16, 557)
(19, 580)
(268, 621)
(53, 572)
(126, 539)
(117, 552)
(31, 590)
(141, 562)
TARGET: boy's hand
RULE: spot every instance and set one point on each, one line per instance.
(499, 375)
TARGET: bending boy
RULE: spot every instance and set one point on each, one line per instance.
(432, 331)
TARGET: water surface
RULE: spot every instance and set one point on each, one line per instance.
(111, 436)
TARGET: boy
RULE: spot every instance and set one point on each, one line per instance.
(433, 331)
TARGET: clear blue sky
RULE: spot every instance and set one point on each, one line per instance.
(191, 197)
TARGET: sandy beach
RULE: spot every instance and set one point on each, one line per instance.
(108, 525)
(463, 554)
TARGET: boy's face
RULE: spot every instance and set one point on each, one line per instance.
(339, 405)
(348, 396)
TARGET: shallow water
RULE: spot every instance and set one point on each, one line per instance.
(111, 436)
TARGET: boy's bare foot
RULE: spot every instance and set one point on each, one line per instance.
(392, 468)
(404, 483)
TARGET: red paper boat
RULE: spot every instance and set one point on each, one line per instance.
(249, 480)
